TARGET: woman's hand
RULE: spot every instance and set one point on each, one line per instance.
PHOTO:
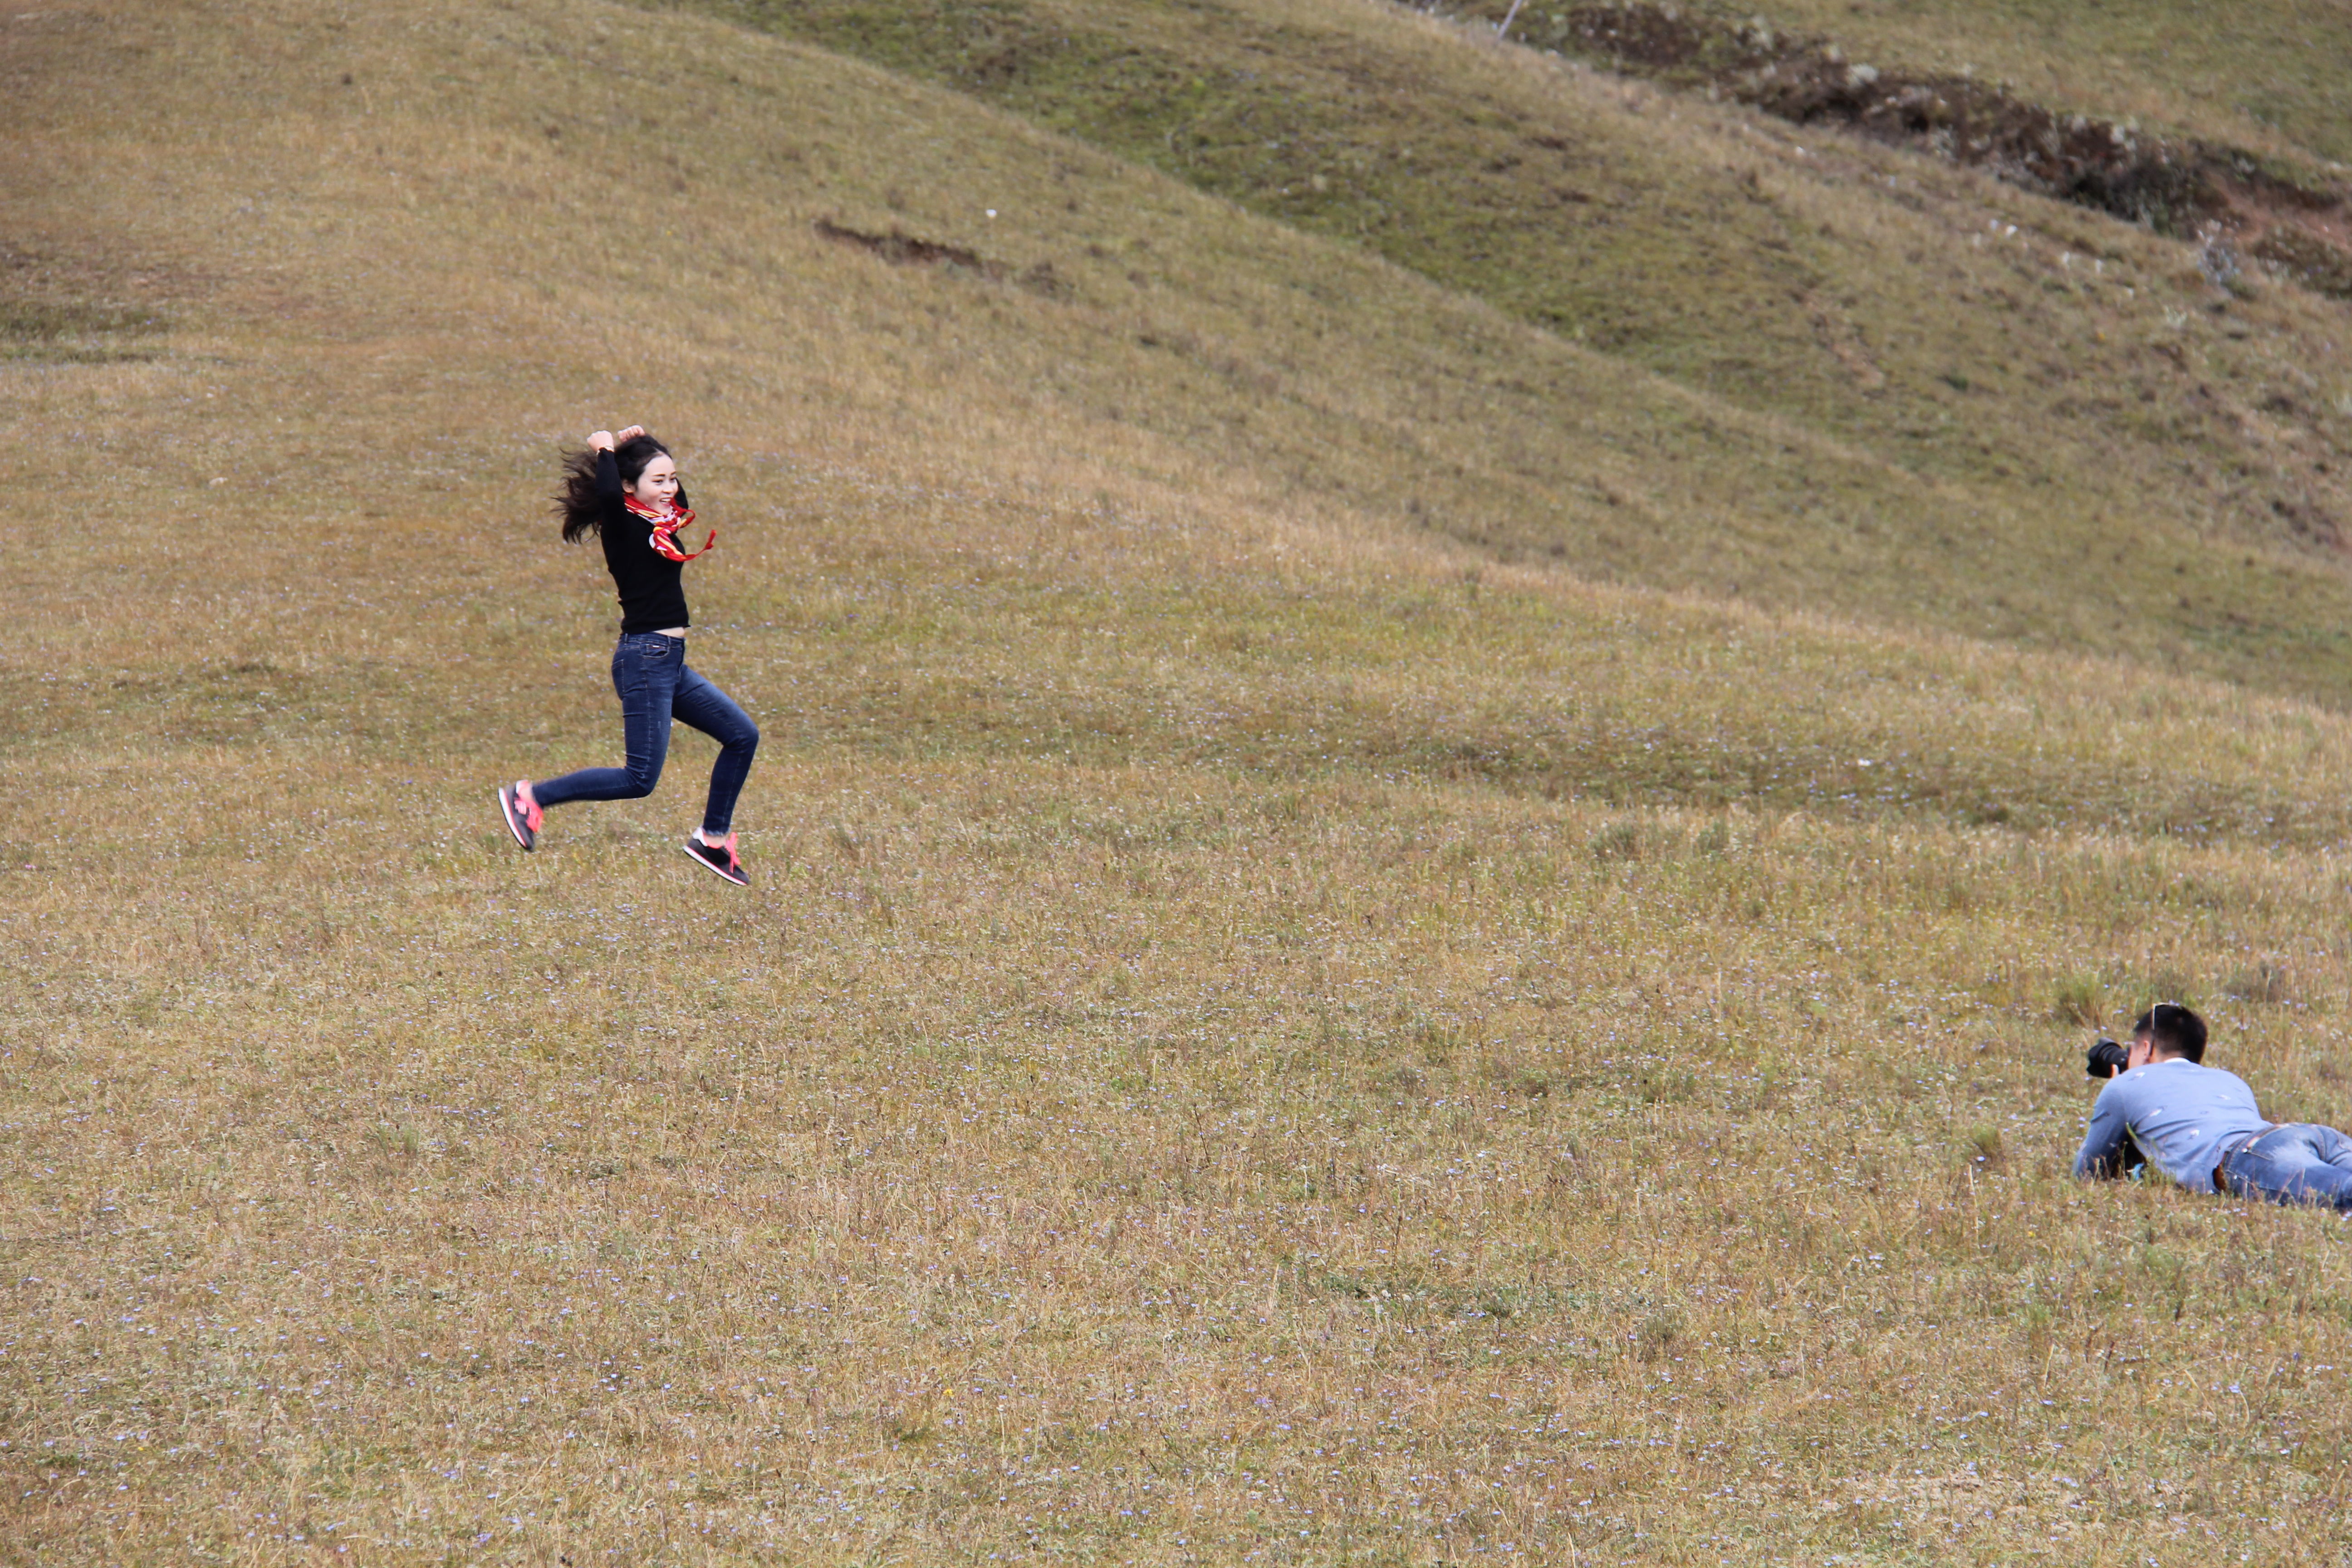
(601, 441)
(633, 432)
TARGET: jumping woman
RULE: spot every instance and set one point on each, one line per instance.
(629, 495)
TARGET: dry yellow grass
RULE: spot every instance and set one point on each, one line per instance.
(1256, 1038)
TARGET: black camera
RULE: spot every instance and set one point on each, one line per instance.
(2105, 1059)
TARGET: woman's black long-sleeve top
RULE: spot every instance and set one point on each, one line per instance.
(652, 597)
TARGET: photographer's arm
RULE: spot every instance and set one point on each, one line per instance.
(2107, 1149)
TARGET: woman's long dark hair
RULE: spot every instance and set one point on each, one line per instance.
(581, 509)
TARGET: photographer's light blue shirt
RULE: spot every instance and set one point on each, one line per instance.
(2183, 1115)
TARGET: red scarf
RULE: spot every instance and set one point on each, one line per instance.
(666, 526)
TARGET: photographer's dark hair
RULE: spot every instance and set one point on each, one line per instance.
(577, 503)
(2175, 1030)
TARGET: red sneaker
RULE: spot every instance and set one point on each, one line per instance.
(719, 859)
(522, 813)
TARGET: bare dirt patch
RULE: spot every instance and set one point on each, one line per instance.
(903, 249)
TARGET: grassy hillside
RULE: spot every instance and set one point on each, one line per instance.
(2068, 426)
(1260, 1029)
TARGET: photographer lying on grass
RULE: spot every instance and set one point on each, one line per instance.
(2199, 1125)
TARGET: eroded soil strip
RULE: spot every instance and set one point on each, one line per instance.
(2187, 189)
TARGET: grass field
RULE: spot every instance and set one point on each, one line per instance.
(1319, 989)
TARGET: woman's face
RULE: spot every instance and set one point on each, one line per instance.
(657, 486)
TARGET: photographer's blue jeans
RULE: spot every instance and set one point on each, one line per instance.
(2298, 1162)
(650, 673)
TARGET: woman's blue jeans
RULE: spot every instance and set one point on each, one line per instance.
(2298, 1162)
(650, 673)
